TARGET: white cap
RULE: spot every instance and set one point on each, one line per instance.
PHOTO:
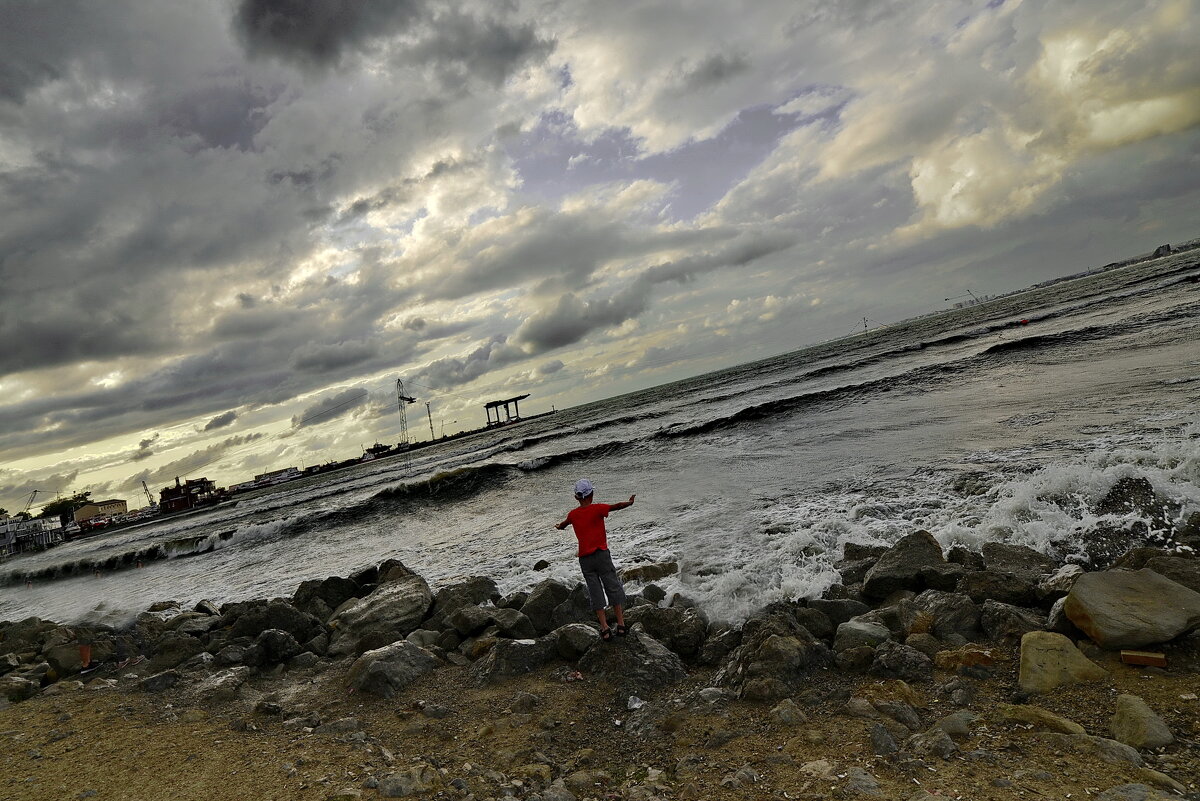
(583, 488)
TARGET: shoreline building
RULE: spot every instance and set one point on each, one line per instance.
(109, 508)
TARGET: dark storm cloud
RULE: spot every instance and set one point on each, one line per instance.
(319, 32)
(491, 50)
(314, 357)
(571, 319)
(331, 407)
(551, 367)
(716, 69)
(144, 451)
(221, 420)
(453, 371)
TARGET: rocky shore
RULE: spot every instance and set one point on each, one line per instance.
(924, 674)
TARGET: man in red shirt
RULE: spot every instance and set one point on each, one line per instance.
(587, 519)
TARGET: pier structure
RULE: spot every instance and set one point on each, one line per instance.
(510, 415)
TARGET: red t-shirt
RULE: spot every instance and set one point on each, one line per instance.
(588, 522)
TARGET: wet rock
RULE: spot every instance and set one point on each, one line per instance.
(1136, 558)
(858, 632)
(1049, 660)
(1131, 494)
(961, 555)
(899, 568)
(839, 610)
(652, 572)
(637, 662)
(233, 654)
(184, 617)
(514, 600)
(1130, 609)
(513, 658)
(925, 643)
(8, 663)
(1179, 569)
(573, 640)
(934, 742)
(682, 630)
(448, 600)
(1136, 725)
(854, 571)
(577, 608)
(1001, 621)
(1007, 588)
(944, 576)
(512, 623)
(541, 565)
(542, 601)
(66, 660)
(385, 671)
(653, 593)
(388, 613)
(1000, 557)
(952, 613)
(896, 661)
(199, 626)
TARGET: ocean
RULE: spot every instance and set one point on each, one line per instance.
(1003, 421)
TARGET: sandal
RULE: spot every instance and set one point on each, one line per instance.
(606, 634)
(620, 629)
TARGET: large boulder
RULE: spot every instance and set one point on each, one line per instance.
(859, 632)
(384, 671)
(540, 605)
(1002, 557)
(577, 608)
(514, 658)
(277, 646)
(254, 617)
(896, 661)
(174, 649)
(951, 613)
(1130, 609)
(774, 659)
(1178, 569)
(574, 640)
(681, 630)
(839, 610)
(1050, 660)
(512, 623)
(1006, 622)
(1008, 588)
(900, 566)
(1136, 724)
(319, 597)
(470, 592)
(389, 613)
(638, 662)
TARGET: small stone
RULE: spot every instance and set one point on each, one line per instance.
(1136, 724)
(1049, 660)
(882, 742)
(788, 714)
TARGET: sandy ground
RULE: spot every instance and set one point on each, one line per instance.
(119, 743)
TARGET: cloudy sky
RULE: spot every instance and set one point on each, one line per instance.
(226, 226)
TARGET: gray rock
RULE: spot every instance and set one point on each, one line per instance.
(512, 623)
(18, 688)
(9, 663)
(65, 659)
(653, 593)
(469, 620)
(1008, 588)
(957, 724)
(1050, 660)
(882, 742)
(384, 671)
(925, 643)
(652, 572)
(319, 597)
(1000, 557)
(858, 632)
(952, 613)
(961, 555)
(1130, 609)
(514, 600)
(513, 658)
(859, 781)
(773, 659)
(577, 608)
(1060, 582)
(935, 741)
(638, 662)
(470, 592)
(1134, 792)
(573, 640)
(417, 780)
(681, 630)
(1002, 621)
(303, 661)
(425, 638)
(900, 567)
(223, 685)
(788, 714)
(251, 618)
(900, 712)
(944, 576)
(1179, 569)
(541, 564)
(718, 646)
(1136, 724)
(198, 626)
(855, 660)
(839, 610)
(277, 645)
(174, 649)
(390, 612)
(893, 660)
(230, 655)
(542, 601)
(854, 571)
(160, 681)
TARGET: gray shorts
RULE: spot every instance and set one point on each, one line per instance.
(602, 579)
